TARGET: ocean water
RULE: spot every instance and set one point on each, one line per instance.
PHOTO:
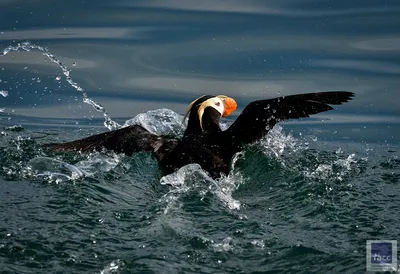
(305, 199)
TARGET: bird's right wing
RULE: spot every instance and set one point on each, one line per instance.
(126, 140)
(260, 116)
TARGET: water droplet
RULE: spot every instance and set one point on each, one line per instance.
(4, 93)
(27, 46)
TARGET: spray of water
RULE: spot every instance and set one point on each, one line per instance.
(27, 46)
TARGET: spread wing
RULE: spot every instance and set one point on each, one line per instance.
(260, 116)
(126, 140)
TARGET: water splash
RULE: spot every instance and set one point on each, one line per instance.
(333, 169)
(97, 162)
(160, 121)
(163, 122)
(276, 142)
(53, 170)
(4, 93)
(327, 168)
(224, 246)
(193, 178)
(258, 243)
(27, 46)
(113, 267)
(347, 162)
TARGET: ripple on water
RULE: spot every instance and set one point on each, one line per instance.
(283, 205)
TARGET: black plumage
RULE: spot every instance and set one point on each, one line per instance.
(204, 142)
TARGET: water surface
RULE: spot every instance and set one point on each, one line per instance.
(304, 200)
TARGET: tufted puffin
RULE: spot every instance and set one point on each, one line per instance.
(204, 142)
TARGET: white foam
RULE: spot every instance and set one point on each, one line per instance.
(193, 178)
(334, 169)
(276, 142)
(99, 162)
(346, 163)
(113, 267)
(52, 169)
(160, 121)
(258, 243)
(224, 246)
(4, 93)
(323, 171)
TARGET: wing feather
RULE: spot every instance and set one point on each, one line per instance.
(126, 140)
(260, 116)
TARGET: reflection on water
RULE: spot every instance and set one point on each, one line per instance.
(132, 56)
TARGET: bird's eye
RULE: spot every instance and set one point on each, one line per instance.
(217, 104)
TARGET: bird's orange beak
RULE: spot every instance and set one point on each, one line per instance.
(229, 106)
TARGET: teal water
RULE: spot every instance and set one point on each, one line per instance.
(303, 200)
(289, 205)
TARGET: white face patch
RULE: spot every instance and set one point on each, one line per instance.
(215, 103)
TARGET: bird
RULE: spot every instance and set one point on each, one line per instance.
(204, 142)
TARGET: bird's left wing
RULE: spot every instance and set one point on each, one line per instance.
(126, 140)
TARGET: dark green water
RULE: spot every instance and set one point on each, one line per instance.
(290, 204)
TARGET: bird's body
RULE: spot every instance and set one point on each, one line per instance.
(205, 149)
(204, 142)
